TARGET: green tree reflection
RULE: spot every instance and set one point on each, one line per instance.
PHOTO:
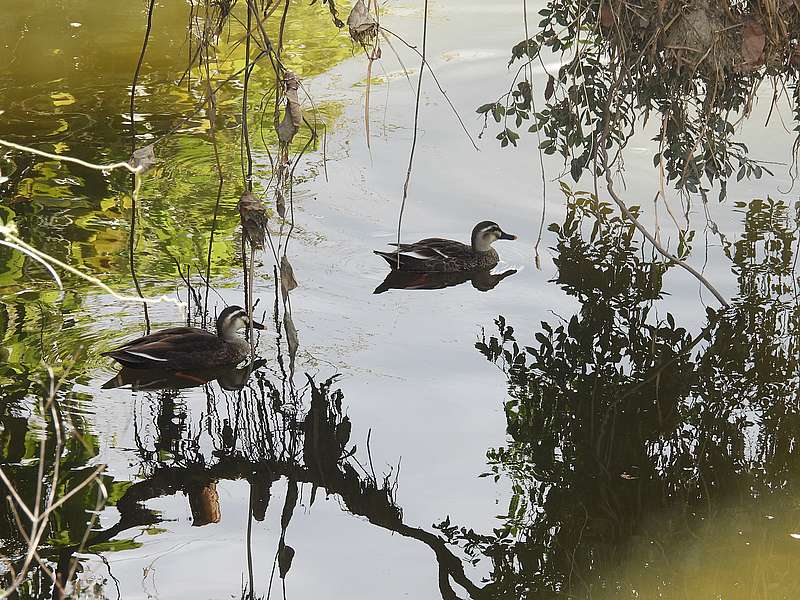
(646, 461)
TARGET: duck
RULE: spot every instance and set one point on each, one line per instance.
(179, 348)
(437, 255)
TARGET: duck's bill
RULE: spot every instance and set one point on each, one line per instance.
(257, 325)
(507, 236)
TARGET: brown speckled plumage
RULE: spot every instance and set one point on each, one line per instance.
(437, 255)
(188, 347)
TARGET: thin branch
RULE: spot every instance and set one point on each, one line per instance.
(41, 261)
(416, 125)
(433, 75)
(538, 139)
(656, 244)
(134, 178)
(10, 232)
(247, 174)
(61, 158)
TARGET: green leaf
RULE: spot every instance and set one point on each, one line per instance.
(575, 169)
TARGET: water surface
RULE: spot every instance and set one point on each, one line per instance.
(593, 429)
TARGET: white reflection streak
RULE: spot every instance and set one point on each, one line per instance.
(10, 231)
(43, 262)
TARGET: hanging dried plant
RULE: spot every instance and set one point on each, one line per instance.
(293, 114)
(362, 25)
(253, 215)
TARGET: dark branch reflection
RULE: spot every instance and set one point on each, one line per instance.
(255, 429)
(645, 460)
(265, 441)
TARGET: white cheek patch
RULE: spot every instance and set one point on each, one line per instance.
(236, 316)
(231, 320)
(489, 233)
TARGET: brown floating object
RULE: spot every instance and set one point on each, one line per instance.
(204, 503)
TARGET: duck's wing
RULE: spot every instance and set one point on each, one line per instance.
(436, 248)
(157, 348)
(164, 333)
(425, 255)
(401, 261)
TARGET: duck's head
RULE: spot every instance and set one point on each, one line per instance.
(231, 320)
(486, 233)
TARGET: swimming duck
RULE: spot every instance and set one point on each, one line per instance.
(188, 347)
(436, 255)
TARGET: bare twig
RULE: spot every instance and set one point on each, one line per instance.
(536, 258)
(61, 158)
(10, 233)
(433, 76)
(38, 515)
(220, 181)
(416, 125)
(643, 230)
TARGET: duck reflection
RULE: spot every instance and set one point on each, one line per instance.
(148, 380)
(407, 280)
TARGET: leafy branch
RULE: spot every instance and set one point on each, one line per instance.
(696, 66)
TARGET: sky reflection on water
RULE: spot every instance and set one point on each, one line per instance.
(677, 479)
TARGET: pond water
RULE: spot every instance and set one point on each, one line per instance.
(596, 428)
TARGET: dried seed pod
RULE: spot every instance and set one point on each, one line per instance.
(143, 158)
(288, 282)
(293, 114)
(253, 215)
(362, 25)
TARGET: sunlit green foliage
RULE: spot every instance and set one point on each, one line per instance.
(82, 216)
(65, 75)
